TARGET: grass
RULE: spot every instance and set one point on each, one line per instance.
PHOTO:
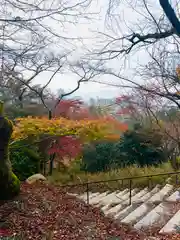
(74, 176)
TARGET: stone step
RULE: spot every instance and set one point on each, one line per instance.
(73, 194)
(113, 201)
(159, 196)
(135, 203)
(94, 195)
(172, 225)
(143, 209)
(108, 198)
(96, 199)
(110, 205)
(113, 198)
(84, 195)
(158, 207)
(124, 200)
(127, 210)
(91, 195)
(156, 216)
(130, 208)
(174, 197)
(139, 195)
(138, 213)
(149, 194)
(135, 197)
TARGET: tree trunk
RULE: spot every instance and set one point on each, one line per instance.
(9, 183)
(51, 163)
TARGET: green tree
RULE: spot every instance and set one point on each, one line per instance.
(140, 146)
(98, 158)
(25, 159)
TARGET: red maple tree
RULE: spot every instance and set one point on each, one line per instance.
(71, 109)
(66, 147)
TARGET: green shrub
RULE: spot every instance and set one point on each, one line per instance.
(142, 147)
(98, 157)
(25, 160)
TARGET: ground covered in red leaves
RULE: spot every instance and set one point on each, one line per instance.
(43, 211)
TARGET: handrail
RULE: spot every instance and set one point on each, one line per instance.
(130, 179)
(121, 179)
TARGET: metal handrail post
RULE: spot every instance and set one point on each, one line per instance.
(130, 191)
(87, 190)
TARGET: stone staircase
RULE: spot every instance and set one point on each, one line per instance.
(159, 207)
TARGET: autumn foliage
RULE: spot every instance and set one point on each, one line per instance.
(72, 109)
(42, 127)
(85, 129)
(67, 146)
(71, 127)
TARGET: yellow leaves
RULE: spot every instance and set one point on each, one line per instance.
(37, 127)
(88, 130)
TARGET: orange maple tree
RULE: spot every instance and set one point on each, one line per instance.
(36, 128)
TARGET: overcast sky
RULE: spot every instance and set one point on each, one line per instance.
(68, 81)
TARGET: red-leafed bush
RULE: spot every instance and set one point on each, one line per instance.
(67, 146)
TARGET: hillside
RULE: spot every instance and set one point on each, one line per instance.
(43, 211)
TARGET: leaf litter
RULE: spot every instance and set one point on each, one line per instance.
(46, 212)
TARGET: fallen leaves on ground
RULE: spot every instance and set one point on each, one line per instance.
(46, 212)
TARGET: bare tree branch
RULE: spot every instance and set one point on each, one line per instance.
(85, 77)
(133, 40)
(32, 41)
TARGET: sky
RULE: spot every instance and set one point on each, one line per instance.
(68, 81)
(129, 16)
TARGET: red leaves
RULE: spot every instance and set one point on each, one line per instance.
(4, 232)
(66, 146)
(126, 104)
(43, 211)
(72, 109)
(122, 98)
(124, 111)
(69, 109)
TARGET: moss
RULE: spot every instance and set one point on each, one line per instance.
(1, 108)
(14, 184)
(11, 187)
(9, 183)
